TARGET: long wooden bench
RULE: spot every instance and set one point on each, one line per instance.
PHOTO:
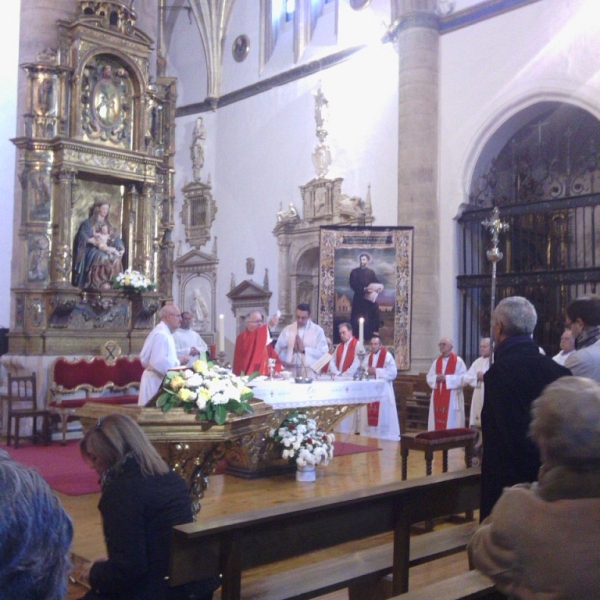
(345, 566)
(75, 382)
(233, 544)
(466, 586)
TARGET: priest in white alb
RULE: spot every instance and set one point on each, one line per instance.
(474, 378)
(302, 343)
(158, 353)
(445, 378)
(188, 341)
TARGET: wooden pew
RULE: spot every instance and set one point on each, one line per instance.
(357, 565)
(466, 586)
(235, 543)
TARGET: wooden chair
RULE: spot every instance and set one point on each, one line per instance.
(22, 404)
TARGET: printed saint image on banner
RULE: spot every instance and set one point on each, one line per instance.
(366, 272)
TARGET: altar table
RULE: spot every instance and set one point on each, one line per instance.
(285, 394)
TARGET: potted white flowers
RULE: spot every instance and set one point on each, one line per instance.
(207, 390)
(132, 281)
(303, 443)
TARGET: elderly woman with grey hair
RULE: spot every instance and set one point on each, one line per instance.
(542, 539)
(35, 536)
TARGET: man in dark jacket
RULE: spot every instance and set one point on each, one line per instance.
(517, 377)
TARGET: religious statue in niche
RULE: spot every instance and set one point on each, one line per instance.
(97, 250)
(200, 311)
(39, 196)
(197, 148)
(39, 258)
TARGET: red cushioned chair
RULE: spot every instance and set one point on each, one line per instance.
(435, 441)
(92, 380)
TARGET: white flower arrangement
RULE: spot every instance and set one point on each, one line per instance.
(302, 442)
(133, 281)
(209, 391)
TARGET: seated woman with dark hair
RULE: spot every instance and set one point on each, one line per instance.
(541, 540)
(141, 501)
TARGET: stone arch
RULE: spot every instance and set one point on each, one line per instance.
(541, 168)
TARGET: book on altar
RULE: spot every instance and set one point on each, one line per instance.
(319, 364)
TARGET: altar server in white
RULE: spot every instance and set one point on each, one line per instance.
(344, 362)
(301, 343)
(445, 378)
(377, 419)
(188, 341)
(380, 419)
(158, 354)
(474, 378)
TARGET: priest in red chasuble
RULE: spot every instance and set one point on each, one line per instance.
(445, 378)
(253, 347)
(345, 360)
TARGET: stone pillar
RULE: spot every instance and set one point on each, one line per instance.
(284, 244)
(417, 37)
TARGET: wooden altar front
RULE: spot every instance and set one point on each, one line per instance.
(190, 447)
(328, 402)
(193, 448)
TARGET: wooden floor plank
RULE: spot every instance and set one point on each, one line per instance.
(228, 495)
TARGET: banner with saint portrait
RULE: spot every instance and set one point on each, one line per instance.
(365, 279)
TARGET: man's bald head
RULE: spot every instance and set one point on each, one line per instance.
(254, 320)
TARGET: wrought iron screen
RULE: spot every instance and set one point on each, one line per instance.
(546, 183)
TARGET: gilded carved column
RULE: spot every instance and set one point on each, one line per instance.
(417, 35)
(148, 232)
(62, 253)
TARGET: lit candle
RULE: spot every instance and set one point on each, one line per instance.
(361, 330)
(221, 333)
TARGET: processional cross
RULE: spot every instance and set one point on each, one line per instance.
(496, 226)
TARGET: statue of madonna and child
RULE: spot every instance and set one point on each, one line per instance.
(97, 250)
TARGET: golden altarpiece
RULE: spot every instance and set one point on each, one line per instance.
(96, 170)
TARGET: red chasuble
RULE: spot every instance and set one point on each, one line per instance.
(441, 395)
(252, 351)
(373, 407)
(349, 355)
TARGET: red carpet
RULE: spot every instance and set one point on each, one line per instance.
(66, 472)
(61, 466)
(344, 448)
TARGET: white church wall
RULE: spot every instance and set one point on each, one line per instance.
(543, 51)
(186, 59)
(259, 152)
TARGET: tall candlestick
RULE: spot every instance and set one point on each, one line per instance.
(221, 333)
(361, 330)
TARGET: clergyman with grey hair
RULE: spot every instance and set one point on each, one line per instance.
(35, 536)
(516, 378)
(541, 540)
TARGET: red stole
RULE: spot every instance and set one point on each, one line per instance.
(349, 355)
(441, 395)
(373, 407)
(252, 351)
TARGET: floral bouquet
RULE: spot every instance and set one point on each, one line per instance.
(131, 280)
(302, 442)
(207, 390)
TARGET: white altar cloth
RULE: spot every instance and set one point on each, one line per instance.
(282, 394)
